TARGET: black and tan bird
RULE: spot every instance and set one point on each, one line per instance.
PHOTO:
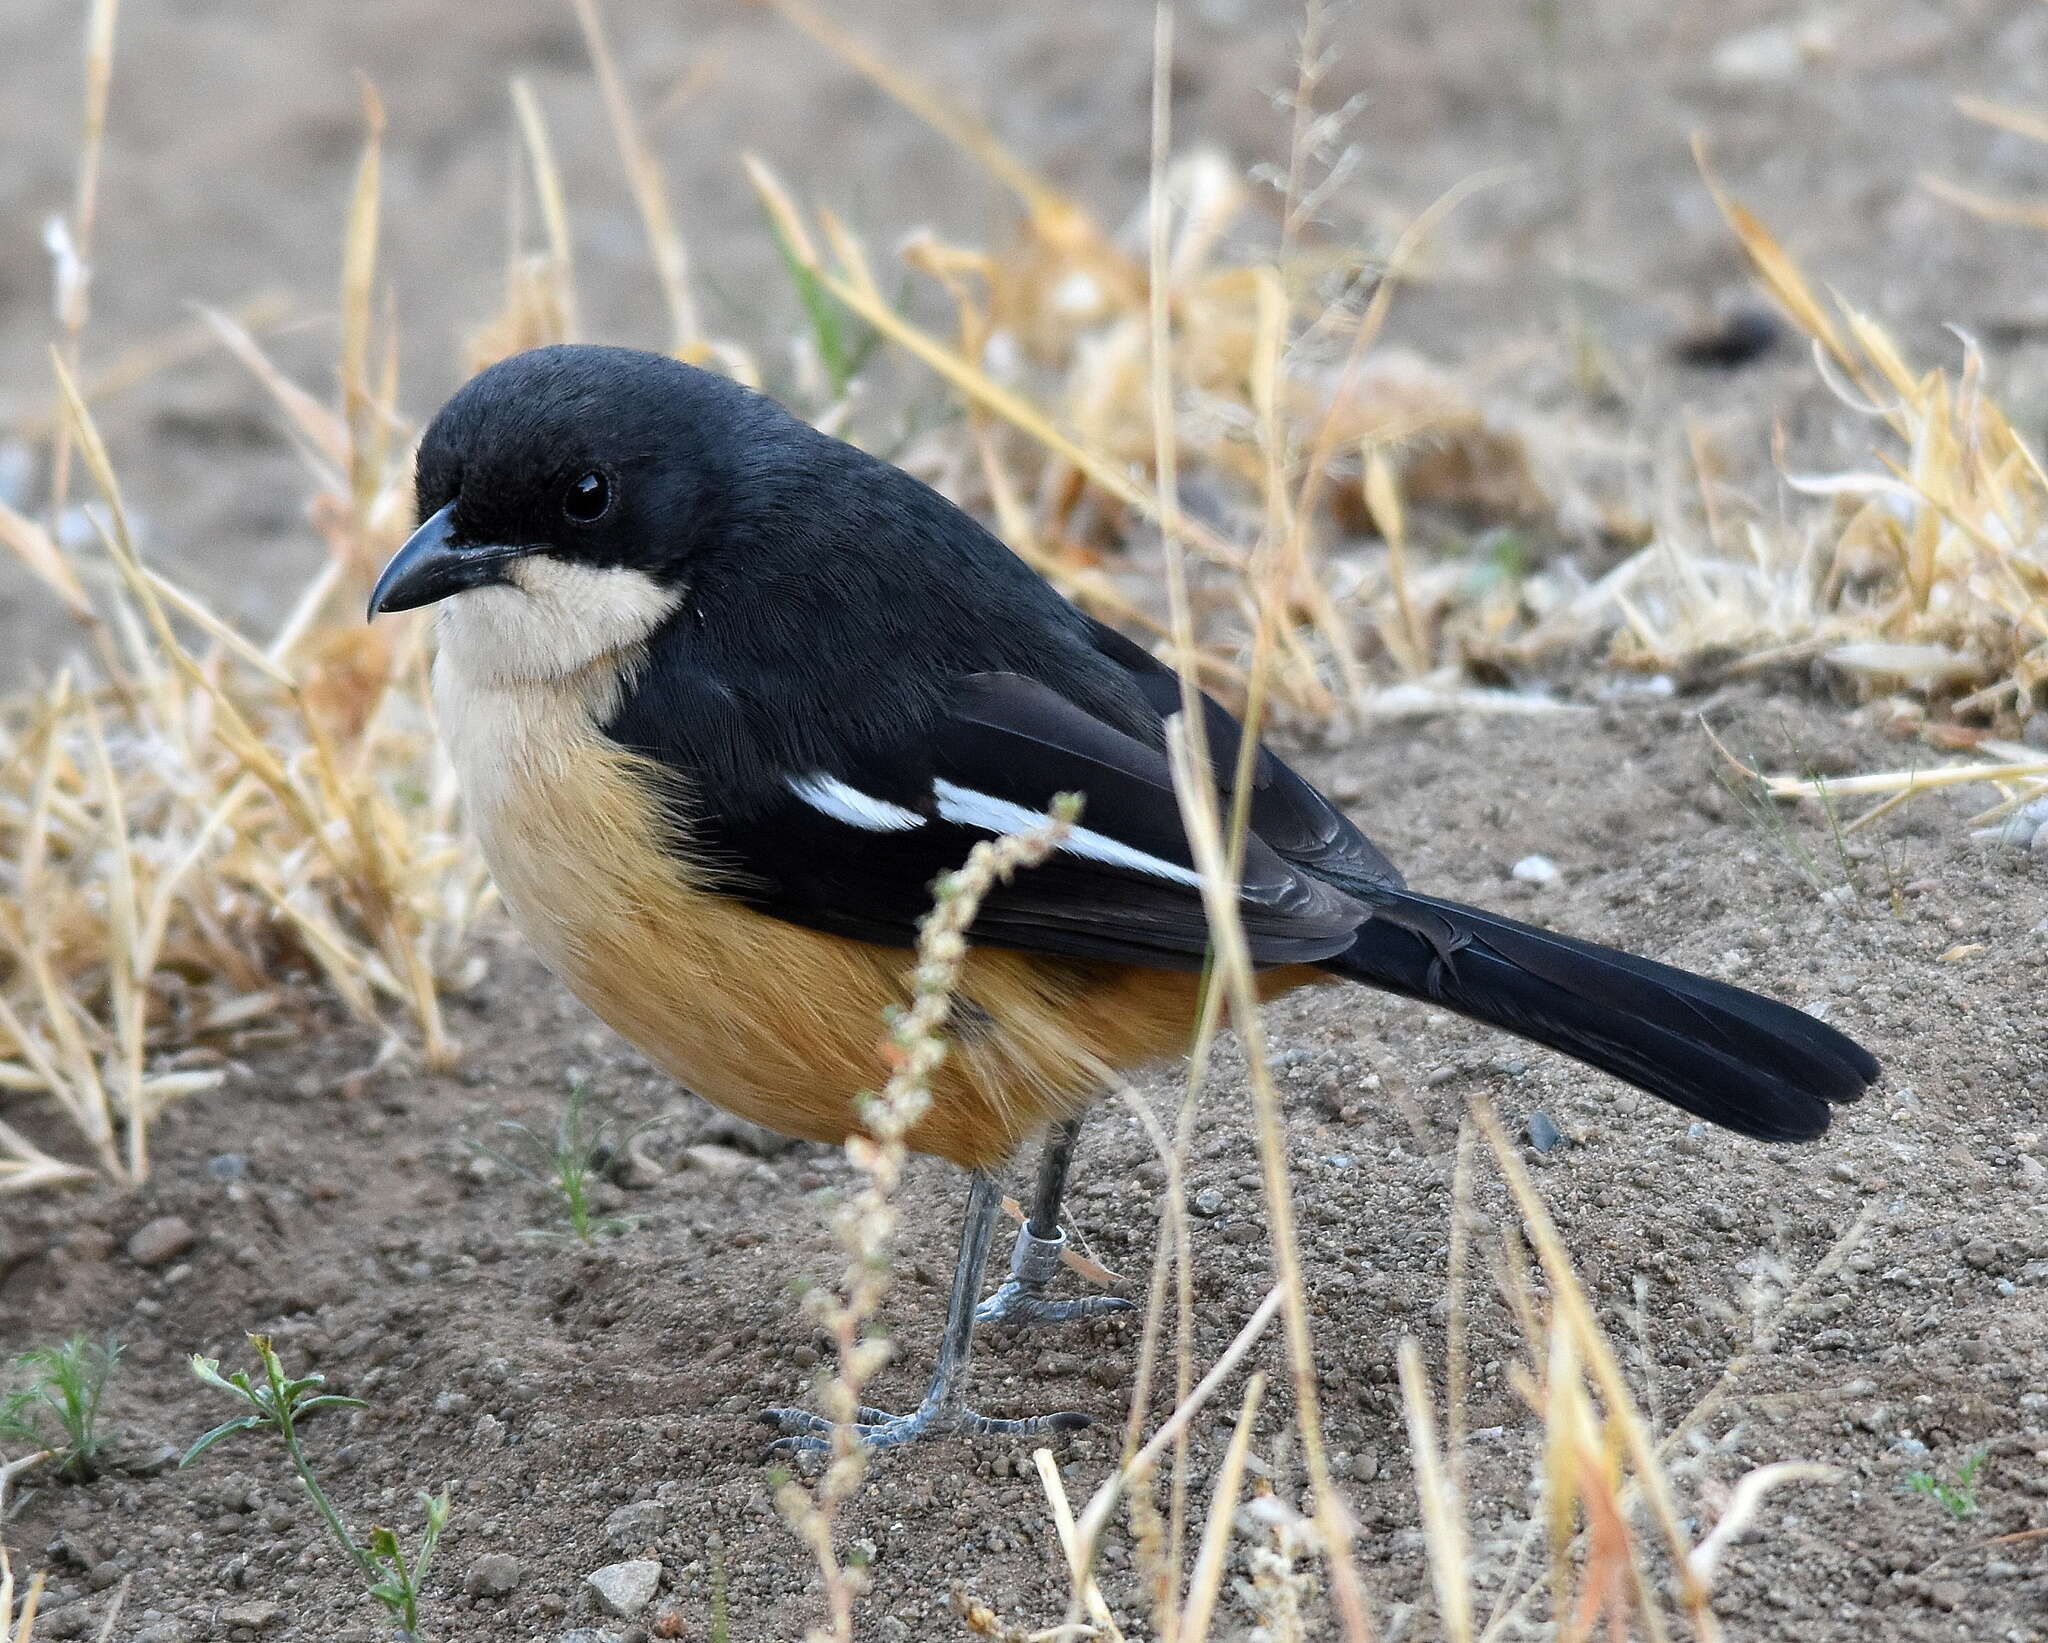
(725, 695)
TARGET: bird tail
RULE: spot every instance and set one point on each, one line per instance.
(1745, 1062)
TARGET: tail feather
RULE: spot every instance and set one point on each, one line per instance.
(1737, 1059)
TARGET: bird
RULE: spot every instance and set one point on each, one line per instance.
(725, 696)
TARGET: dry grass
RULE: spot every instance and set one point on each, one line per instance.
(205, 829)
(1924, 572)
(197, 812)
(1604, 1554)
(200, 830)
(17, 1624)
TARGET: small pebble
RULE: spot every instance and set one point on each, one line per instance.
(161, 1240)
(227, 1166)
(1543, 1134)
(1535, 870)
(634, 1528)
(2024, 827)
(496, 1574)
(1209, 1201)
(1725, 343)
(624, 1589)
(17, 472)
(713, 1159)
(1768, 55)
(143, 1459)
(1720, 1217)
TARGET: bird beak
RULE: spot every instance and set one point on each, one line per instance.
(433, 565)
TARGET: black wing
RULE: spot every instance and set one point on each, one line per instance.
(854, 849)
(1286, 813)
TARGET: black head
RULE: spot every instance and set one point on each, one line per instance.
(596, 459)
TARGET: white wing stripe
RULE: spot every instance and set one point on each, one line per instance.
(832, 797)
(971, 809)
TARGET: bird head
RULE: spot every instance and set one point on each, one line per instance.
(562, 494)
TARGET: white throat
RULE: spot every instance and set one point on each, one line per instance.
(551, 620)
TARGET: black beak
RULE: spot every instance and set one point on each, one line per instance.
(432, 565)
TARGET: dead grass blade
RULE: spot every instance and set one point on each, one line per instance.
(1443, 1513)
(650, 193)
(70, 239)
(209, 812)
(2011, 213)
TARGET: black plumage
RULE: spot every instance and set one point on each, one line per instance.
(843, 620)
(728, 695)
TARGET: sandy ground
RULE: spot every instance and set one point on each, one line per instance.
(556, 1385)
(345, 1212)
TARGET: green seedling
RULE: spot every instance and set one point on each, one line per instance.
(1958, 1499)
(1775, 826)
(59, 1407)
(279, 1404)
(844, 345)
(567, 1163)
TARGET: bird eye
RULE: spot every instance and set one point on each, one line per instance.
(587, 497)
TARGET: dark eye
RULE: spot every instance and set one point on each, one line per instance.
(587, 497)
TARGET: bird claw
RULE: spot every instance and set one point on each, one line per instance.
(807, 1434)
(1025, 1304)
(1021, 1299)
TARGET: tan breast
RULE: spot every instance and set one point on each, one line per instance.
(779, 1024)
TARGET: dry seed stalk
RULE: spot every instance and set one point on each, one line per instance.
(866, 1225)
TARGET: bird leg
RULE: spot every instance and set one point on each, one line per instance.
(1035, 1260)
(944, 1412)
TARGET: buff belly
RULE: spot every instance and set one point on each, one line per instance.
(782, 1025)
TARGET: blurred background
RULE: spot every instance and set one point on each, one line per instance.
(1579, 280)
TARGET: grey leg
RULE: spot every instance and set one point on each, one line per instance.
(1035, 1259)
(944, 1412)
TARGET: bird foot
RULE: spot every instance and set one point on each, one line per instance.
(807, 1434)
(1021, 1299)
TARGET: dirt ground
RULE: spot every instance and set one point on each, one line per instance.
(555, 1386)
(344, 1212)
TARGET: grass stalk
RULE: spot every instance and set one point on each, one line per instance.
(866, 1225)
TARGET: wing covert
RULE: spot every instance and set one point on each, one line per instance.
(854, 850)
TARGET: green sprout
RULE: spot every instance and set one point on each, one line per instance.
(565, 1164)
(59, 1408)
(842, 348)
(279, 1405)
(1958, 1499)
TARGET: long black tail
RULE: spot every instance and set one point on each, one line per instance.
(1748, 1063)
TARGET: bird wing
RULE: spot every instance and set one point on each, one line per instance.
(1289, 815)
(854, 848)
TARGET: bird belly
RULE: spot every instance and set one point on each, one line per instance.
(780, 1024)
